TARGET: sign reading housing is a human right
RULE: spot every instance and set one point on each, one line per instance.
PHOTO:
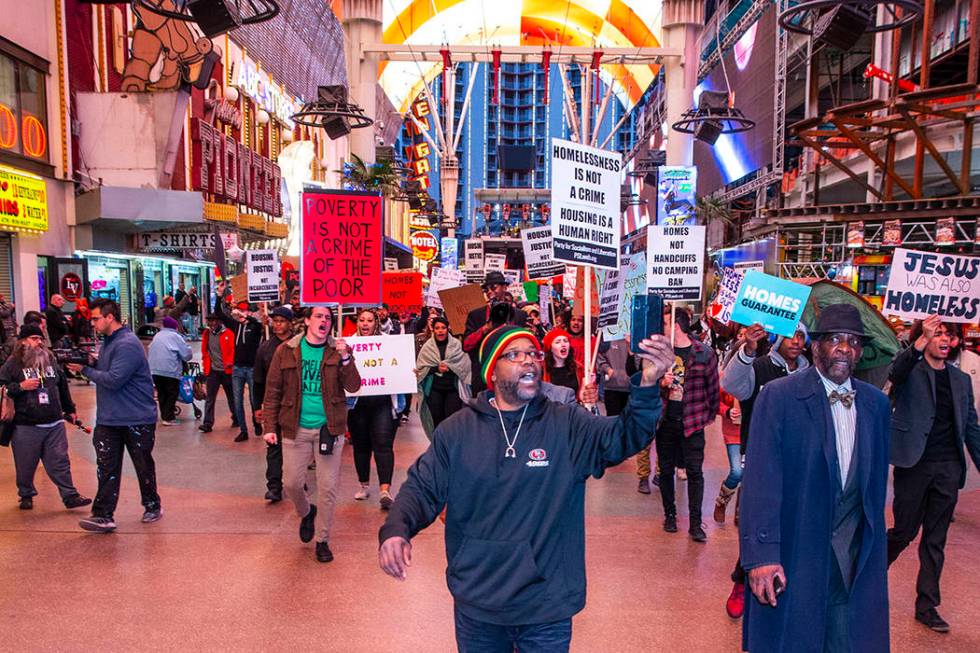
(585, 218)
(921, 284)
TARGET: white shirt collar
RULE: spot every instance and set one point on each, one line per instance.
(830, 386)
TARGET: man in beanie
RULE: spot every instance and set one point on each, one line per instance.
(281, 319)
(167, 354)
(39, 390)
(743, 378)
(481, 321)
(813, 503)
(510, 469)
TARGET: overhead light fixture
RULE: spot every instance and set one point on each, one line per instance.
(333, 112)
(712, 118)
(841, 24)
(214, 17)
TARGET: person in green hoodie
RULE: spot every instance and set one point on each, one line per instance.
(510, 469)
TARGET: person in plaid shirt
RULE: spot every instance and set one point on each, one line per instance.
(691, 396)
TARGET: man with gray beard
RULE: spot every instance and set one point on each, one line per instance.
(39, 390)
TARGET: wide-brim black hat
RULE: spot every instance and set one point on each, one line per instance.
(495, 277)
(840, 318)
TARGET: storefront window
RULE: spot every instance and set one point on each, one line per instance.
(23, 116)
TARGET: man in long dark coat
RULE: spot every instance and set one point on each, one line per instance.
(812, 524)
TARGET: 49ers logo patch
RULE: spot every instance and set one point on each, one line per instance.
(539, 458)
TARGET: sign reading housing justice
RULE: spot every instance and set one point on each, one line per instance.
(585, 218)
(341, 255)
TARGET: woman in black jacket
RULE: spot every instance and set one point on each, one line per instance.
(39, 389)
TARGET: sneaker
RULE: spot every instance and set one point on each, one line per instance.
(306, 525)
(26, 503)
(76, 501)
(98, 524)
(932, 620)
(644, 486)
(323, 552)
(697, 533)
(655, 481)
(363, 493)
(204, 429)
(403, 419)
(168, 422)
(273, 496)
(151, 516)
(681, 474)
(735, 605)
(242, 437)
(386, 500)
(670, 523)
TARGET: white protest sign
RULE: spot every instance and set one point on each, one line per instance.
(745, 266)
(569, 281)
(921, 284)
(675, 261)
(473, 254)
(727, 292)
(538, 250)
(391, 264)
(544, 303)
(262, 267)
(514, 285)
(442, 279)
(495, 261)
(634, 282)
(585, 215)
(612, 290)
(386, 364)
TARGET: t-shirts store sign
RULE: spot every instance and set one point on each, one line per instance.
(585, 221)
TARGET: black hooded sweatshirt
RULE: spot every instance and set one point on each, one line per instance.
(515, 527)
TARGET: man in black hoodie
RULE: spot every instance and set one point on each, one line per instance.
(39, 390)
(248, 336)
(511, 466)
(281, 318)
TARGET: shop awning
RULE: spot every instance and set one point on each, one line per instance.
(133, 210)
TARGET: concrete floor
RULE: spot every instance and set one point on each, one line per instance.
(224, 570)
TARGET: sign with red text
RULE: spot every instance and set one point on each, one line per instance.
(341, 248)
(402, 291)
(386, 364)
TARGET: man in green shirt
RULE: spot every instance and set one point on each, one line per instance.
(305, 403)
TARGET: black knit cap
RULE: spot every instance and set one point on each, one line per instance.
(28, 330)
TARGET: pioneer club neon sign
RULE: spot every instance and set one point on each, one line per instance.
(231, 172)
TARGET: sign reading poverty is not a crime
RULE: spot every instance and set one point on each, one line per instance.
(585, 215)
(538, 253)
(341, 254)
(776, 304)
(675, 261)
(386, 364)
(921, 284)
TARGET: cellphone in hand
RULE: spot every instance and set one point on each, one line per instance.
(648, 319)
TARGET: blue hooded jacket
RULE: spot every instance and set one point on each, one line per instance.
(124, 389)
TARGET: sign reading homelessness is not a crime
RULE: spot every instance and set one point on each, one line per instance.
(921, 284)
(585, 215)
(776, 304)
(341, 254)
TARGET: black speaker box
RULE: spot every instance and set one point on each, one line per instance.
(215, 17)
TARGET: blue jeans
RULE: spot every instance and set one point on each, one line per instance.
(474, 636)
(734, 466)
(240, 377)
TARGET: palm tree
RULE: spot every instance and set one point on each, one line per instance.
(378, 177)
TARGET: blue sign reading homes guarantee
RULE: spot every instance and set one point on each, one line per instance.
(774, 303)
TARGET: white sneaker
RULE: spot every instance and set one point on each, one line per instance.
(363, 493)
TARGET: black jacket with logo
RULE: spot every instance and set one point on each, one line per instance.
(248, 335)
(28, 410)
(515, 527)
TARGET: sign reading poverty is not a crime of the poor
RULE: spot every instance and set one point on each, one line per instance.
(262, 268)
(341, 253)
(539, 253)
(386, 364)
(776, 304)
(921, 284)
(675, 261)
(585, 215)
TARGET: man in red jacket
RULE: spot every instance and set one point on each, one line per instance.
(218, 356)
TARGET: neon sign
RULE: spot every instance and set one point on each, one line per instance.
(33, 137)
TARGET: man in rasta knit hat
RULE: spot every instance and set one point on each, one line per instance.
(510, 469)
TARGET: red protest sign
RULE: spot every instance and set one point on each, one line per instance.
(403, 291)
(341, 253)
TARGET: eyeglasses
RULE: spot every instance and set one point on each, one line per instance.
(838, 339)
(518, 356)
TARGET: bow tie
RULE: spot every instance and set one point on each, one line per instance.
(846, 398)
